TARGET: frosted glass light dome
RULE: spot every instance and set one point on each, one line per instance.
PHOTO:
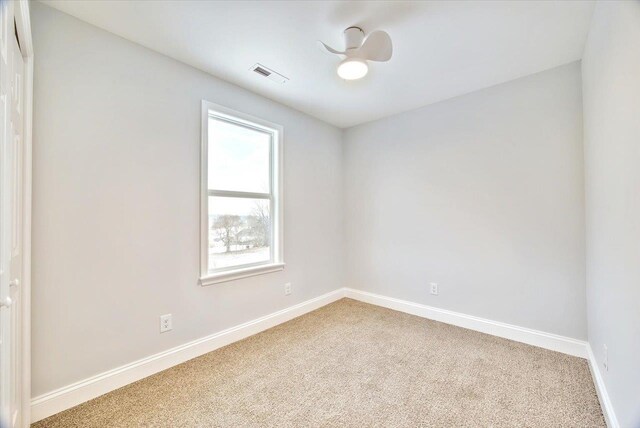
(353, 68)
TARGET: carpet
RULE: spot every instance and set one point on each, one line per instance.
(350, 364)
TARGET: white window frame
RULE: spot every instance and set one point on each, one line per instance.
(277, 219)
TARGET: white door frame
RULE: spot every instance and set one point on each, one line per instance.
(23, 26)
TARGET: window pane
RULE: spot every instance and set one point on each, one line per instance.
(239, 231)
(238, 158)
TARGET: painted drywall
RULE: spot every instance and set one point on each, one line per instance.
(116, 204)
(611, 88)
(481, 194)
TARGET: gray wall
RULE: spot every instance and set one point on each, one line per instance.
(116, 204)
(482, 194)
(611, 87)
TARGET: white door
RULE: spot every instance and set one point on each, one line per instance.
(11, 203)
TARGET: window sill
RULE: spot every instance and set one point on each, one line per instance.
(240, 273)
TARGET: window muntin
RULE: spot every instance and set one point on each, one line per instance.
(241, 203)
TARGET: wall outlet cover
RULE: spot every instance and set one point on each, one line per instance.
(166, 323)
(434, 288)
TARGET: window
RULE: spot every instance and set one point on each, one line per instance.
(241, 224)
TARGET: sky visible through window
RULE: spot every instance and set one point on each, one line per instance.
(238, 158)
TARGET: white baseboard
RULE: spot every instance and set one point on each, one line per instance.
(601, 390)
(541, 339)
(85, 390)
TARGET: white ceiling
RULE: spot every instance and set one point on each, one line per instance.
(441, 48)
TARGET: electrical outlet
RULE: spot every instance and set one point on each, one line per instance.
(434, 288)
(287, 289)
(165, 323)
(605, 357)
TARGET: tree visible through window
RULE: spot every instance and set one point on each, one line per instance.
(243, 213)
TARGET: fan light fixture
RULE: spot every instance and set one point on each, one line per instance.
(353, 68)
(358, 50)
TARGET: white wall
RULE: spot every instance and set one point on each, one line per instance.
(482, 194)
(116, 204)
(611, 87)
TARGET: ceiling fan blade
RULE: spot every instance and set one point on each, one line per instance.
(327, 48)
(376, 47)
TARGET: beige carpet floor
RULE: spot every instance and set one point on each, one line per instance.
(350, 364)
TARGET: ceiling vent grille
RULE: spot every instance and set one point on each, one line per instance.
(262, 71)
(268, 73)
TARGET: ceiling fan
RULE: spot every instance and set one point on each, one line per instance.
(358, 50)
